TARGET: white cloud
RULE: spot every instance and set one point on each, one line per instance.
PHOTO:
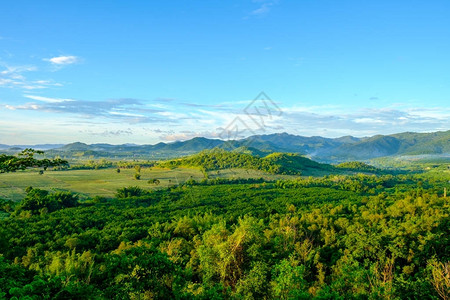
(115, 119)
(13, 71)
(441, 113)
(63, 60)
(173, 115)
(13, 77)
(125, 114)
(264, 8)
(187, 135)
(46, 99)
(364, 121)
(112, 133)
(130, 111)
(368, 121)
(23, 107)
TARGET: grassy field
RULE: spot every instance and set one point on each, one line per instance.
(105, 182)
(90, 183)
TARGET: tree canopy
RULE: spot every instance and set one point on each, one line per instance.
(334, 237)
(25, 159)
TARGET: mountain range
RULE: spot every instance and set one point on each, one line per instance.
(341, 149)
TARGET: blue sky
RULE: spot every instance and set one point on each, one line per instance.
(149, 71)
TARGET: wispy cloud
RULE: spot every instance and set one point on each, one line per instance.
(47, 99)
(14, 77)
(164, 99)
(63, 60)
(187, 135)
(14, 70)
(27, 106)
(115, 133)
(264, 7)
(117, 119)
(336, 121)
(126, 114)
(125, 110)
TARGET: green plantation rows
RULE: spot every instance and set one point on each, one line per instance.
(336, 237)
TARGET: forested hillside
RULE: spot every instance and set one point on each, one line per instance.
(276, 163)
(335, 237)
(407, 143)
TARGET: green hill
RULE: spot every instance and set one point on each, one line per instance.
(275, 163)
(291, 163)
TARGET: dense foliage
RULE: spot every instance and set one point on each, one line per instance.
(39, 201)
(25, 159)
(336, 237)
(359, 166)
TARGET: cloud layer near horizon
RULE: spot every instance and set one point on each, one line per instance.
(149, 121)
(35, 117)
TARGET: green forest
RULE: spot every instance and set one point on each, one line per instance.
(354, 235)
(274, 163)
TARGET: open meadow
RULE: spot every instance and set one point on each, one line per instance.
(105, 182)
(91, 183)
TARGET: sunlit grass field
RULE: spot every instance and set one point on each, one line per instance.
(90, 183)
(105, 182)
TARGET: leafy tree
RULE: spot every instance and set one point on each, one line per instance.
(131, 191)
(25, 159)
(140, 272)
(289, 281)
(154, 181)
(38, 199)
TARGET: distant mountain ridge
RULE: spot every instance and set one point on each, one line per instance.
(340, 149)
(36, 147)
